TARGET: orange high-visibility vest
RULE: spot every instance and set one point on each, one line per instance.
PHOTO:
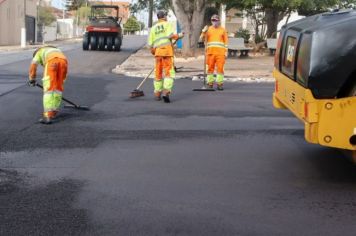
(217, 40)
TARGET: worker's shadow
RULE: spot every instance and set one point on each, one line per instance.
(67, 114)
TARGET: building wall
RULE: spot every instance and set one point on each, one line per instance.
(12, 19)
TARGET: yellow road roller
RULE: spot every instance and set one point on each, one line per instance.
(315, 73)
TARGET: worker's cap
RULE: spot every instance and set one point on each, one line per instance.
(161, 14)
(215, 18)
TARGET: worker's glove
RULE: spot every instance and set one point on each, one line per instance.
(205, 29)
(181, 35)
(153, 51)
(201, 39)
(32, 83)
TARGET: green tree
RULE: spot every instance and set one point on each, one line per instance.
(144, 5)
(243, 33)
(271, 12)
(313, 7)
(46, 16)
(190, 15)
(82, 14)
(73, 5)
(346, 3)
(151, 5)
(265, 11)
(132, 25)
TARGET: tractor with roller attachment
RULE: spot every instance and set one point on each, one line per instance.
(315, 72)
(104, 31)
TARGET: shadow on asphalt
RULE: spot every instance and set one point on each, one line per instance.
(333, 166)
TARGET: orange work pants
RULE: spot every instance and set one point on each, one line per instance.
(164, 66)
(55, 74)
(217, 61)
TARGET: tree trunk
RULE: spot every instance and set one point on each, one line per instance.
(150, 13)
(273, 17)
(190, 15)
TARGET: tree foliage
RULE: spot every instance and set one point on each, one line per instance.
(82, 15)
(243, 33)
(313, 7)
(144, 4)
(45, 15)
(73, 5)
(265, 14)
(132, 25)
(271, 12)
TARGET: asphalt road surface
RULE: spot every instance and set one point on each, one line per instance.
(209, 163)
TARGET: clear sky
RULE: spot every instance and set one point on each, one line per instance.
(60, 3)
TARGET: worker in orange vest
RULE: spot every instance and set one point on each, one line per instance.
(216, 41)
(55, 73)
(160, 42)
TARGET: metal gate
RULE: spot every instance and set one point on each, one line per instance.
(30, 29)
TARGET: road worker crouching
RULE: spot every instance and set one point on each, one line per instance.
(55, 73)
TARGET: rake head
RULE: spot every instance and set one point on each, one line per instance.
(204, 88)
(136, 93)
(78, 107)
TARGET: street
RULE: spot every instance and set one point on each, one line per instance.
(209, 163)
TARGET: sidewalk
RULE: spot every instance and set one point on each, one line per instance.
(15, 48)
(255, 68)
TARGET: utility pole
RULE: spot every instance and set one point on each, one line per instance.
(64, 8)
(223, 15)
(23, 29)
(38, 25)
(150, 17)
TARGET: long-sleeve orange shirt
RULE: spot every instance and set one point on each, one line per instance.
(42, 56)
(216, 39)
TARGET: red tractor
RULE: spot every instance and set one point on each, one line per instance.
(104, 31)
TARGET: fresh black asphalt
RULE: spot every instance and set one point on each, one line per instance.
(209, 163)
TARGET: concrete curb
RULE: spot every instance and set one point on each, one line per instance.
(141, 63)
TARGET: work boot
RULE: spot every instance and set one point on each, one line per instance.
(46, 120)
(211, 85)
(166, 98)
(157, 96)
(220, 87)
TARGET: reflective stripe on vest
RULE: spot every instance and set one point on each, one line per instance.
(216, 44)
(161, 42)
(53, 92)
